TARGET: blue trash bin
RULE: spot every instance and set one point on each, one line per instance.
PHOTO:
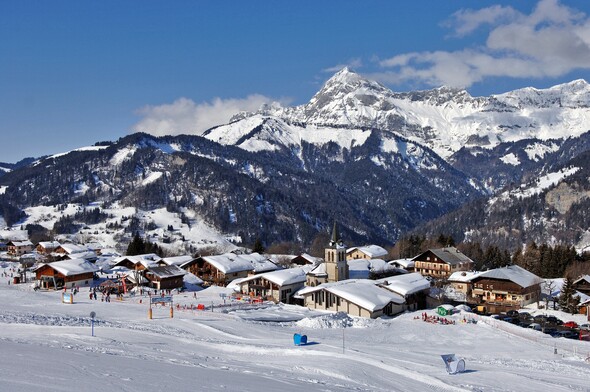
(299, 339)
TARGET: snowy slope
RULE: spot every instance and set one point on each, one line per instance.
(251, 349)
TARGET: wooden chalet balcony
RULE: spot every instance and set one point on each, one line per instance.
(260, 286)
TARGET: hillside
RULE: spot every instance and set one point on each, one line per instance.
(551, 208)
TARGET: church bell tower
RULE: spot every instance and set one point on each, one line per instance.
(335, 258)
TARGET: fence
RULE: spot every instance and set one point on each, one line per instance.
(577, 348)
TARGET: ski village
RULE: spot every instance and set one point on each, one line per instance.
(256, 257)
(85, 316)
(295, 196)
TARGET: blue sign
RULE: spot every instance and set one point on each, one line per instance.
(158, 300)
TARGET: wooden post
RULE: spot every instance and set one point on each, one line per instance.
(150, 313)
(171, 311)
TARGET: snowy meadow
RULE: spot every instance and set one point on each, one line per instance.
(48, 345)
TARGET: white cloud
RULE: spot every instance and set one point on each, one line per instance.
(184, 116)
(464, 22)
(552, 41)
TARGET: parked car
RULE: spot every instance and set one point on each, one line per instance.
(541, 318)
(585, 327)
(566, 334)
(554, 320)
(549, 331)
(570, 324)
(535, 326)
(512, 313)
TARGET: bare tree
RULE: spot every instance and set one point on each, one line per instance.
(549, 286)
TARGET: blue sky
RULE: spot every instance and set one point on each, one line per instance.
(76, 72)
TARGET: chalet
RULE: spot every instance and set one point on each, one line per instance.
(165, 277)
(460, 286)
(138, 262)
(365, 252)
(305, 259)
(68, 249)
(88, 255)
(66, 273)
(582, 284)
(96, 247)
(279, 285)
(47, 247)
(506, 287)
(441, 263)
(413, 287)
(356, 297)
(407, 264)
(219, 270)
(19, 248)
(317, 275)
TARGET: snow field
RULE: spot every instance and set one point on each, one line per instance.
(251, 348)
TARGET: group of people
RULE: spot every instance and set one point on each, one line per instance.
(436, 319)
(92, 294)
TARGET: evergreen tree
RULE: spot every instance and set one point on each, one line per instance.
(136, 246)
(568, 301)
(258, 247)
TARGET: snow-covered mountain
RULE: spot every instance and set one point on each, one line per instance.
(443, 119)
(378, 162)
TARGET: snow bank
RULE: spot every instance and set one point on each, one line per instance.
(336, 320)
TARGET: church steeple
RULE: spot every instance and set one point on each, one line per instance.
(335, 258)
(336, 239)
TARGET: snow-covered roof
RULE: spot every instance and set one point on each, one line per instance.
(73, 248)
(405, 263)
(360, 268)
(177, 260)
(463, 276)
(406, 284)
(584, 298)
(513, 273)
(449, 255)
(281, 277)
(373, 251)
(146, 260)
(167, 271)
(73, 267)
(309, 258)
(192, 279)
(94, 245)
(362, 292)
(109, 252)
(319, 270)
(87, 255)
(20, 243)
(582, 278)
(260, 262)
(231, 263)
(446, 306)
(49, 244)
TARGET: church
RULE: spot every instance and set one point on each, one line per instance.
(328, 287)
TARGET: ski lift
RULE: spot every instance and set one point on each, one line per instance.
(453, 364)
